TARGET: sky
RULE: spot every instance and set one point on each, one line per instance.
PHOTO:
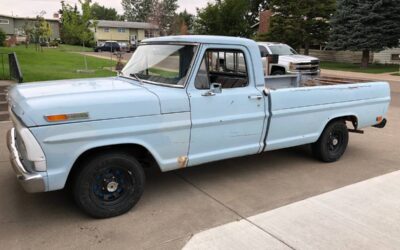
(23, 8)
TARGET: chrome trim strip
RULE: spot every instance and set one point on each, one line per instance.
(31, 182)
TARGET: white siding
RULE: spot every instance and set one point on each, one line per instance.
(386, 56)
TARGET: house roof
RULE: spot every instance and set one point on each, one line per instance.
(29, 18)
(128, 25)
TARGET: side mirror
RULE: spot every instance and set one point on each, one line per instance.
(264, 53)
(273, 58)
(215, 88)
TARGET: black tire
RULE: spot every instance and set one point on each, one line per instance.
(332, 143)
(278, 72)
(108, 185)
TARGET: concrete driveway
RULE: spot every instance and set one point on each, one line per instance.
(178, 204)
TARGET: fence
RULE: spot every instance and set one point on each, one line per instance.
(10, 69)
(339, 56)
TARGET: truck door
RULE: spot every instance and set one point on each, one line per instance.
(227, 110)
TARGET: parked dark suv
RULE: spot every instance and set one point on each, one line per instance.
(108, 46)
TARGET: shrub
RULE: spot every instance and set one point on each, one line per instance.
(2, 37)
(53, 43)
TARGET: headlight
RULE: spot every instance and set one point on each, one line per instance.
(292, 67)
(31, 149)
(28, 147)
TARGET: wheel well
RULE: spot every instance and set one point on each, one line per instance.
(350, 118)
(138, 151)
(274, 68)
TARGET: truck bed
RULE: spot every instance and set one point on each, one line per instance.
(300, 110)
(295, 81)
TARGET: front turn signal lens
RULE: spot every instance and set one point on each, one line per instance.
(56, 118)
(379, 119)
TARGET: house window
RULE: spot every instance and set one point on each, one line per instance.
(4, 21)
(106, 30)
(149, 33)
(121, 30)
(395, 57)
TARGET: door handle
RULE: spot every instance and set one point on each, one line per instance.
(208, 93)
(255, 97)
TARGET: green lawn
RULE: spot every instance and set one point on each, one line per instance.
(56, 63)
(164, 73)
(372, 68)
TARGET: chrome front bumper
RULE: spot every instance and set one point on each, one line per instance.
(31, 182)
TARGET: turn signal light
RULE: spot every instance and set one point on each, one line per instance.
(56, 118)
(379, 119)
(66, 117)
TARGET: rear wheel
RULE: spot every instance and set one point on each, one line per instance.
(109, 185)
(332, 143)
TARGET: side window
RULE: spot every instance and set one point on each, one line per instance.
(226, 67)
(202, 80)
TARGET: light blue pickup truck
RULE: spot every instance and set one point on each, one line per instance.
(179, 102)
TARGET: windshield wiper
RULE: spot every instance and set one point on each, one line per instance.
(137, 78)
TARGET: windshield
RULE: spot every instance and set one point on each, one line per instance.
(282, 50)
(160, 63)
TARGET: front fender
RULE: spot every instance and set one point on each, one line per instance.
(166, 137)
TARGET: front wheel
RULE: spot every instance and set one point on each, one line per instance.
(109, 185)
(332, 143)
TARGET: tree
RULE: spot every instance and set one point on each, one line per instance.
(99, 12)
(224, 17)
(168, 12)
(256, 6)
(75, 26)
(28, 30)
(83, 31)
(183, 23)
(41, 30)
(366, 26)
(138, 10)
(2, 37)
(159, 12)
(70, 21)
(300, 23)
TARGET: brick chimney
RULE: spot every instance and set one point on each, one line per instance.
(265, 19)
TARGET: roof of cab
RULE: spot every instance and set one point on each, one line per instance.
(269, 43)
(203, 39)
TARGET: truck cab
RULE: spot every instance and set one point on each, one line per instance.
(289, 62)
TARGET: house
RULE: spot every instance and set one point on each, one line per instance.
(13, 27)
(388, 56)
(123, 32)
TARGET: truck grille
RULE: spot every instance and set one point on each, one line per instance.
(311, 68)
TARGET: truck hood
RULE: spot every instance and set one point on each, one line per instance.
(296, 59)
(100, 98)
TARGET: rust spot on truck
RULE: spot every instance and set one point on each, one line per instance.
(182, 161)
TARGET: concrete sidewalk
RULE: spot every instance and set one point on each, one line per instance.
(365, 76)
(360, 216)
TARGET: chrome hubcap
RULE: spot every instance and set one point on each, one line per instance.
(112, 186)
(335, 142)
